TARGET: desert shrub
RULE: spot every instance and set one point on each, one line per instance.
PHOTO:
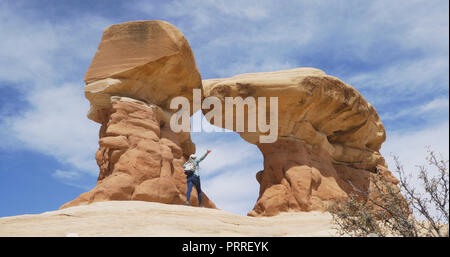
(386, 209)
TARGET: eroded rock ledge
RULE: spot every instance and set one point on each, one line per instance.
(328, 137)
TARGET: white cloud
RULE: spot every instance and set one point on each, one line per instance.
(35, 56)
(251, 65)
(42, 53)
(56, 125)
(435, 106)
(203, 13)
(411, 146)
(72, 178)
(69, 175)
(422, 23)
(251, 10)
(426, 74)
(25, 50)
(235, 190)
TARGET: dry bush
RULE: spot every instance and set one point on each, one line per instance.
(398, 210)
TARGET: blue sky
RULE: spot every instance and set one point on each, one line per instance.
(396, 53)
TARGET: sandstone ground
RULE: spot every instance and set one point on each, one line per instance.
(139, 218)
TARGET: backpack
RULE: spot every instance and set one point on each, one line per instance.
(189, 168)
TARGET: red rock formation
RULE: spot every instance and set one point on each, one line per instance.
(140, 158)
(138, 68)
(147, 60)
(328, 137)
(301, 177)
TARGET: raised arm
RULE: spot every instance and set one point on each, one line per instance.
(203, 157)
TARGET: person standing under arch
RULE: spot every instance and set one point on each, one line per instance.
(191, 169)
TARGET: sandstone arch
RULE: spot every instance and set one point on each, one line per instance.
(328, 134)
(328, 137)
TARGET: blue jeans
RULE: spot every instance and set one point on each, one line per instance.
(194, 180)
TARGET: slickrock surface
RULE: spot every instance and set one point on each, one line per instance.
(139, 218)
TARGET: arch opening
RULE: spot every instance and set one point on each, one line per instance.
(228, 174)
